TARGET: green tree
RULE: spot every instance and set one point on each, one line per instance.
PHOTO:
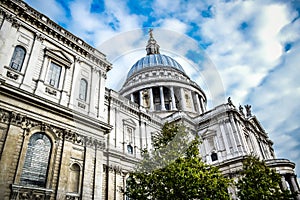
(258, 181)
(173, 170)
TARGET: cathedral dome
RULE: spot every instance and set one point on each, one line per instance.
(154, 60)
(159, 84)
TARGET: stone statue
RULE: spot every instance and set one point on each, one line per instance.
(150, 32)
(241, 109)
(230, 101)
(248, 110)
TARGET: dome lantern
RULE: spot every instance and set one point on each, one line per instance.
(152, 46)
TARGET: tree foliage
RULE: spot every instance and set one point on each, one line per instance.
(260, 182)
(174, 170)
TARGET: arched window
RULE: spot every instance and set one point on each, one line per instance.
(83, 89)
(74, 178)
(34, 172)
(17, 58)
(130, 149)
(214, 156)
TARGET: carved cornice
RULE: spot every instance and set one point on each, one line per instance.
(27, 192)
(94, 143)
(113, 168)
(4, 116)
(29, 124)
(72, 137)
(18, 11)
(13, 20)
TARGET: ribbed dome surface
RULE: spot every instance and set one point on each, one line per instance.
(154, 60)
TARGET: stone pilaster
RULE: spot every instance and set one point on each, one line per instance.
(9, 33)
(101, 95)
(98, 173)
(198, 104)
(93, 91)
(64, 170)
(36, 48)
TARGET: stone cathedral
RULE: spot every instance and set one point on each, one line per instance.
(64, 135)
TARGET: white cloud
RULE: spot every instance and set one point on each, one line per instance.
(173, 24)
(255, 68)
(245, 55)
(97, 28)
(121, 13)
(56, 13)
(277, 102)
(166, 6)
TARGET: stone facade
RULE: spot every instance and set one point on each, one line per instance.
(64, 135)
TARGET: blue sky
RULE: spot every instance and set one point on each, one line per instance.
(248, 50)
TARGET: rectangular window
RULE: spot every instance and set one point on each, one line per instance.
(54, 75)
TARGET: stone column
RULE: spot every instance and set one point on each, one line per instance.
(198, 104)
(192, 101)
(283, 183)
(173, 98)
(294, 184)
(151, 99)
(141, 97)
(202, 104)
(183, 103)
(131, 97)
(162, 98)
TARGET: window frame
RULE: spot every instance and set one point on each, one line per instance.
(13, 57)
(214, 156)
(130, 149)
(50, 78)
(81, 91)
(29, 154)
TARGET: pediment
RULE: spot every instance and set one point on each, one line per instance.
(129, 122)
(59, 56)
(208, 133)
